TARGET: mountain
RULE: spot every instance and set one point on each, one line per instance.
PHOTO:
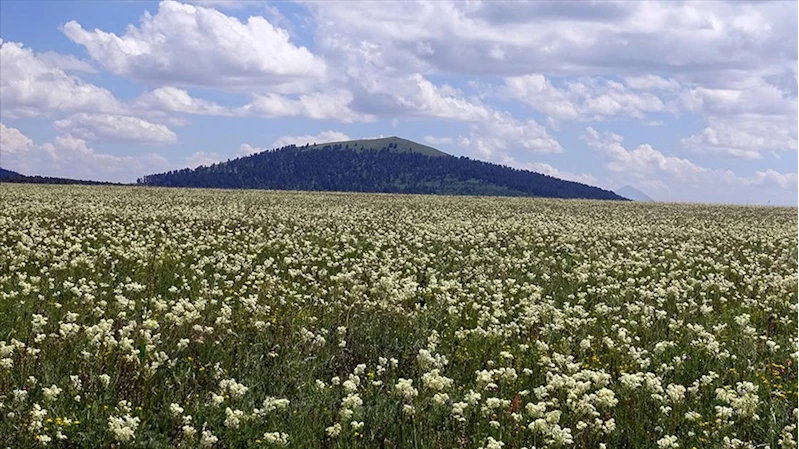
(634, 194)
(389, 165)
(8, 175)
(12, 176)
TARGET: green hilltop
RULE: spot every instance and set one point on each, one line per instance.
(394, 144)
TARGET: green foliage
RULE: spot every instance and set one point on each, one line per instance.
(389, 165)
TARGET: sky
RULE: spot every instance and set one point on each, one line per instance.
(685, 101)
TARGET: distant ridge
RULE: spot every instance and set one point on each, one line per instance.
(7, 175)
(634, 194)
(389, 165)
(12, 176)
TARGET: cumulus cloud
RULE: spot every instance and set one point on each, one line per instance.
(742, 138)
(775, 179)
(32, 85)
(651, 82)
(582, 99)
(70, 157)
(246, 149)
(751, 95)
(67, 63)
(414, 96)
(725, 62)
(115, 128)
(205, 158)
(39, 84)
(13, 141)
(745, 119)
(538, 92)
(172, 99)
(502, 134)
(322, 137)
(333, 105)
(562, 38)
(185, 45)
(644, 163)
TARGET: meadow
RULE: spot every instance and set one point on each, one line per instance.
(156, 318)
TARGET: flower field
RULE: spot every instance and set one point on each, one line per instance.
(156, 318)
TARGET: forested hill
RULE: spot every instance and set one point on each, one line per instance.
(390, 165)
(12, 176)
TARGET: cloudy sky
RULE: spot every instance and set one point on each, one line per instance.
(685, 101)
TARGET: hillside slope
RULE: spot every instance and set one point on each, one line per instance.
(12, 176)
(390, 165)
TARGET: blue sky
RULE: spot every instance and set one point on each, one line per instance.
(686, 101)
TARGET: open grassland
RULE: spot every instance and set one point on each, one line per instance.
(133, 317)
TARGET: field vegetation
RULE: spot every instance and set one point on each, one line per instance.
(154, 318)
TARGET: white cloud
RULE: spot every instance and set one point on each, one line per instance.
(322, 137)
(745, 141)
(752, 95)
(562, 38)
(115, 128)
(685, 178)
(37, 84)
(70, 157)
(583, 99)
(538, 92)
(203, 158)
(67, 63)
(651, 82)
(172, 99)
(333, 105)
(193, 45)
(746, 119)
(547, 169)
(502, 134)
(414, 96)
(246, 149)
(725, 62)
(772, 178)
(433, 140)
(13, 141)
(428, 99)
(32, 85)
(641, 162)
(277, 19)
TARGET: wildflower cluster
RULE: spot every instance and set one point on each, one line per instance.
(139, 317)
